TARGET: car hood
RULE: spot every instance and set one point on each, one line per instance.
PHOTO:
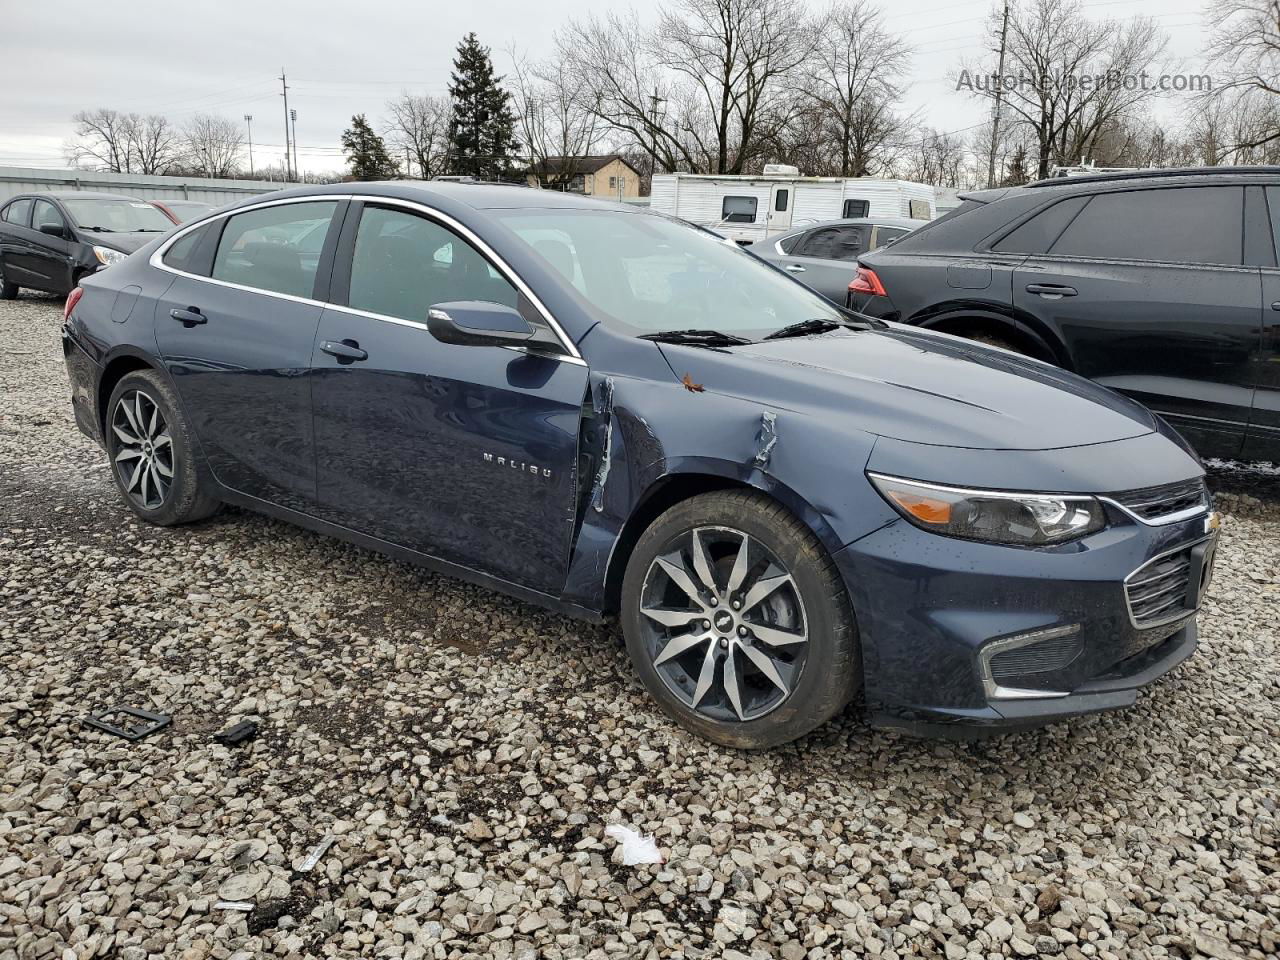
(922, 387)
(124, 242)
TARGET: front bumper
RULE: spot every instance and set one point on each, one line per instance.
(931, 610)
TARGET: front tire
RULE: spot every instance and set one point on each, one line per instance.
(8, 290)
(152, 454)
(738, 622)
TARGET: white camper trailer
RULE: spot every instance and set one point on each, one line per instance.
(751, 208)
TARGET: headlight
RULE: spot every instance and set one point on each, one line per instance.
(1025, 519)
(106, 256)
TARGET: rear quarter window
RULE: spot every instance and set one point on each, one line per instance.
(193, 252)
(1038, 234)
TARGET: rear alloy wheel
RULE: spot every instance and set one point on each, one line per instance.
(151, 452)
(144, 457)
(738, 622)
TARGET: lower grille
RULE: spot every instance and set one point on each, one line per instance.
(1167, 499)
(1043, 656)
(1157, 592)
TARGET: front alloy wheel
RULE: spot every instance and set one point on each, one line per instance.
(144, 449)
(738, 622)
(724, 624)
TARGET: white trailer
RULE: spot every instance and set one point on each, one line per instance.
(751, 208)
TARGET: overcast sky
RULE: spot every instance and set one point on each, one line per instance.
(151, 56)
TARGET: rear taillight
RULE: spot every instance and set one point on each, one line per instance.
(72, 299)
(866, 281)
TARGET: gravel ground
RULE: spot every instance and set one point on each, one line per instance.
(466, 751)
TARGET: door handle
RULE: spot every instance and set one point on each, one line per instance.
(189, 317)
(347, 351)
(793, 268)
(1051, 291)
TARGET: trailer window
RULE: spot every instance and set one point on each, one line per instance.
(738, 210)
(780, 200)
(853, 209)
(919, 209)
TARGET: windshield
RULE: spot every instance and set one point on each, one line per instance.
(118, 216)
(648, 274)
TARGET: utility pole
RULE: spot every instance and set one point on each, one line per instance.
(653, 108)
(248, 122)
(284, 92)
(293, 119)
(995, 120)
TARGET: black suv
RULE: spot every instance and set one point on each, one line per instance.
(49, 241)
(1161, 284)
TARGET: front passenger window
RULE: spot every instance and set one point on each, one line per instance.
(47, 213)
(403, 263)
(275, 248)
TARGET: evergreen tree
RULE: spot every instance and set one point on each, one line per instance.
(1016, 173)
(366, 152)
(482, 130)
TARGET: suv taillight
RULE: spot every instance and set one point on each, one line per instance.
(866, 281)
(72, 299)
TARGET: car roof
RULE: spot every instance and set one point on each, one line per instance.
(481, 196)
(1208, 173)
(79, 195)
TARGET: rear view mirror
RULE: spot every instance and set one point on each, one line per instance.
(478, 323)
(53, 229)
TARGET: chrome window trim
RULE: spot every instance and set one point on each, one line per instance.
(571, 351)
(1178, 517)
(1183, 613)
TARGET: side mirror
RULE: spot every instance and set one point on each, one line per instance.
(478, 323)
(54, 229)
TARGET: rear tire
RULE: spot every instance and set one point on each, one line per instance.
(151, 452)
(8, 290)
(777, 625)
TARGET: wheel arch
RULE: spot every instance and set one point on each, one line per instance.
(122, 363)
(1018, 326)
(679, 485)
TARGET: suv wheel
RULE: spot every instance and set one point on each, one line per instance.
(738, 622)
(151, 452)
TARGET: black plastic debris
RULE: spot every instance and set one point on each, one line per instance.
(123, 727)
(242, 731)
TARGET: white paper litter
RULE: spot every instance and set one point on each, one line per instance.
(243, 906)
(635, 848)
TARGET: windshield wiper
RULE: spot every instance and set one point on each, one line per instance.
(98, 229)
(697, 338)
(805, 327)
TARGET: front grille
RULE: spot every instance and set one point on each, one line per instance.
(1152, 503)
(1044, 656)
(1157, 592)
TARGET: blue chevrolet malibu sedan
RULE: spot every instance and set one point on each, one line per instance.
(788, 506)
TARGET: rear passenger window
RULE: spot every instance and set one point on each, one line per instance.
(275, 248)
(835, 243)
(404, 263)
(185, 252)
(1038, 234)
(18, 212)
(1172, 225)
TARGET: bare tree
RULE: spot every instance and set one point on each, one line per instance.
(213, 145)
(1066, 76)
(855, 78)
(557, 119)
(1245, 48)
(154, 144)
(102, 139)
(705, 91)
(419, 124)
(736, 54)
(938, 158)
